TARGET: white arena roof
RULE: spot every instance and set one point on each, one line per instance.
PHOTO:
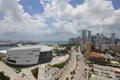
(42, 47)
(3, 51)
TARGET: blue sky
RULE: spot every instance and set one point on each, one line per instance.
(57, 19)
(116, 4)
(32, 6)
(35, 7)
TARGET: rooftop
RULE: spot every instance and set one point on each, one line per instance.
(42, 47)
(94, 54)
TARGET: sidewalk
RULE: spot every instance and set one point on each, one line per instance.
(10, 72)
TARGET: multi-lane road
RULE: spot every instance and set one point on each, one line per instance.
(81, 67)
(72, 64)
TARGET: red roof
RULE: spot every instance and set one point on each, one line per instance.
(94, 54)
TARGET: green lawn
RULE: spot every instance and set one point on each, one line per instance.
(60, 65)
(35, 72)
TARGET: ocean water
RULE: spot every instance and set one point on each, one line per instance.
(53, 42)
(41, 42)
(6, 47)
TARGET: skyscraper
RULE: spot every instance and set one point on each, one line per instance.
(101, 39)
(98, 40)
(113, 38)
(71, 40)
(84, 37)
(89, 36)
(78, 40)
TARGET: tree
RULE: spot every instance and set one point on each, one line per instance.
(3, 77)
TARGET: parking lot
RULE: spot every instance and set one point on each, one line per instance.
(103, 74)
(100, 74)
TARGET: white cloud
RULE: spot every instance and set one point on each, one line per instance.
(96, 15)
(16, 20)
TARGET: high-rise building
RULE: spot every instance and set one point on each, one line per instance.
(89, 36)
(93, 39)
(72, 41)
(98, 41)
(88, 47)
(84, 37)
(101, 39)
(116, 40)
(78, 40)
(113, 38)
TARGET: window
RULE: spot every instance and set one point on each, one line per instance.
(30, 53)
(12, 61)
(36, 55)
(35, 50)
(27, 60)
(16, 57)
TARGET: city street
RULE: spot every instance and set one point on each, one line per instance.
(81, 66)
(80, 71)
(11, 72)
(72, 64)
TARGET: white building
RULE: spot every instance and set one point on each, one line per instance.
(29, 55)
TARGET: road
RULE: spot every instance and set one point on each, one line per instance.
(11, 73)
(81, 66)
(70, 66)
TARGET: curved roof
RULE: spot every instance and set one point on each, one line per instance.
(42, 47)
(3, 51)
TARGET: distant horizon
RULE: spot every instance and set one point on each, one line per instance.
(34, 40)
(108, 35)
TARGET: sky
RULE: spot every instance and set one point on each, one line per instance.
(57, 20)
